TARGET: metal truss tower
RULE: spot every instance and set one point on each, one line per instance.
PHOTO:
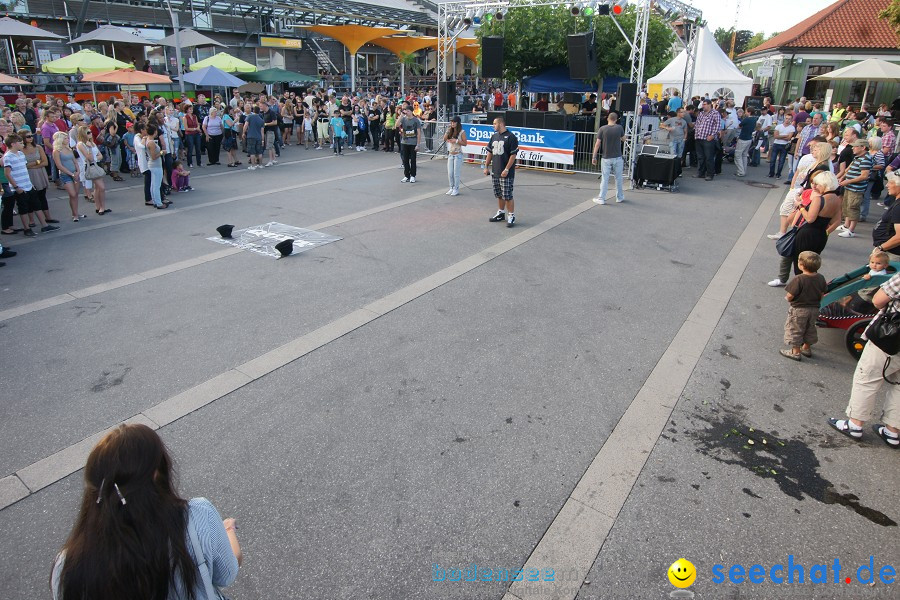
(638, 52)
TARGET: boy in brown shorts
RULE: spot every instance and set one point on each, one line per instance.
(804, 292)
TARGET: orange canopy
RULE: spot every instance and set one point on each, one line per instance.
(405, 44)
(470, 51)
(352, 36)
(126, 77)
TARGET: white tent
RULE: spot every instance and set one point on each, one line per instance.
(714, 74)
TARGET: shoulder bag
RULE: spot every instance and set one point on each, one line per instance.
(884, 332)
(785, 244)
(93, 171)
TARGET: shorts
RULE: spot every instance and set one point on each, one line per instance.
(800, 327)
(850, 204)
(64, 178)
(270, 139)
(286, 126)
(254, 146)
(503, 186)
(26, 202)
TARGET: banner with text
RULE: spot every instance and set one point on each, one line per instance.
(538, 145)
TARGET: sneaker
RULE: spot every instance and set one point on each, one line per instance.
(620, 201)
(775, 236)
(500, 216)
(29, 233)
(404, 180)
(251, 168)
(776, 283)
(270, 163)
(510, 220)
(49, 228)
(840, 228)
(7, 253)
(412, 179)
(448, 192)
(454, 192)
(599, 200)
(846, 234)
(275, 162)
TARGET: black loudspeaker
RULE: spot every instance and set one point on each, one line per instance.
(515, 118)
(754, 102)
(573, 98)
(554, 121)
(495, 115)
(534, 119)
(626, 96)
(582, 59)
(492, 56)
(447, 93)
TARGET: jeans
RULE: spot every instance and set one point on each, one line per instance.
(612, 166)
(454, 165)
(148, 197)
(193, 147)
(754, 157)
(408, 156)
(156, 179)
(706, 157)
(337, 143)
(776, 157)
(676, 147)
(375, 134)
(867, 198)
(740, 155)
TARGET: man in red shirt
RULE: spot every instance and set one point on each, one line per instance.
(498, 99)
(542, 104)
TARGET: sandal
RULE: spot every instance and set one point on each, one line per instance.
(891, 440)
(843, 425)
(806, 353)
(76, 217)
(117, 178)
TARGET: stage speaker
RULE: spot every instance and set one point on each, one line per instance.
(554, 121)
(582, 59)
(626, 96)
(515, 118)
(534, 119)
(447, 93)
(492, 56)
(493, 115)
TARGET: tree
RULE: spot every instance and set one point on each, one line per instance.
(741, 40)
(530, 49)
(891, 14)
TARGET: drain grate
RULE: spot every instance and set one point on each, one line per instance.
(762, 184)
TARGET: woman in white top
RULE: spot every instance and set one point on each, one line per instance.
(89, 154)
(456, 139)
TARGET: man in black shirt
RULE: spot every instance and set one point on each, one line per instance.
(374, 124)
(886, 235)
(501, 155)
(590, 106)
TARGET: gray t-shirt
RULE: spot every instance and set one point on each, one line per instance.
(611, 140)
(409, 129)
(678, 126)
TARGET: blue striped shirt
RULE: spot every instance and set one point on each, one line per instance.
(18, 166)
(223, 566)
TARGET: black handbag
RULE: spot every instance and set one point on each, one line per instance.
(884, 332)
(785, 244)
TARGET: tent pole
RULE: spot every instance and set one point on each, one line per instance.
(352, 73)
(865, 93)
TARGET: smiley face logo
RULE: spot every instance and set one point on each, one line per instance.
(682, 573)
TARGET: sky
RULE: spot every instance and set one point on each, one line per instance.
(758, 15)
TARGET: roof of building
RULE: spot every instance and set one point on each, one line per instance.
(844, 24)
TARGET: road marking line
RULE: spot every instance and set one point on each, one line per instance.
(24, 309)
(590, 511)
(63, 463)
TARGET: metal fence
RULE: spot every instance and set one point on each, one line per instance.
(433, 136)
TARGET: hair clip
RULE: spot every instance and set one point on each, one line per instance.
(100, 491)
(121, 497)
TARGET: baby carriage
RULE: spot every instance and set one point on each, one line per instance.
(843, 307)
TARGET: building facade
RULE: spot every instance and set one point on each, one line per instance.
(842, 34)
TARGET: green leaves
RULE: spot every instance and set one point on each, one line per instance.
(535, 40)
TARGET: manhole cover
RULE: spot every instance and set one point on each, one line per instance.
(762, 184)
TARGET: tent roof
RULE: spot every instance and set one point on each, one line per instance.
(111, 33)
(17, 28)
(871, 69)
(277, 76)
(189, 38)
(84, 61)
(214, 77)
(225, 62)
(713, 67)
(352, 36)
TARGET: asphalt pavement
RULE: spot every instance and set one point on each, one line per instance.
(435, 391)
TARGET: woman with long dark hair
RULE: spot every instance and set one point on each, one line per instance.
(456, 139)
(134, 537)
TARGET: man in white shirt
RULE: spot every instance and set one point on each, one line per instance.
(73, 105)
(783, 134)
